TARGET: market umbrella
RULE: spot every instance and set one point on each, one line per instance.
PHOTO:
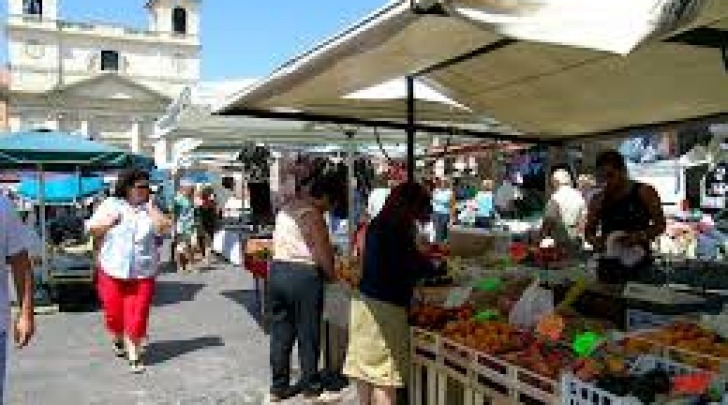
(62, 152)
(55, 151)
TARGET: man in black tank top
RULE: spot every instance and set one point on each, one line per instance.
(623, 205)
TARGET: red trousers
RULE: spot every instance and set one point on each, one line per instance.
(126, 304)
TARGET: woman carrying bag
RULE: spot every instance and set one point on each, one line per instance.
(124, 227)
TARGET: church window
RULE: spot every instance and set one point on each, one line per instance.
(109, 61)
(33, 7)
(179, 20)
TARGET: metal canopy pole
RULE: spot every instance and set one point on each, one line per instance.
(351, 190)
(411, 129)
(43, 230)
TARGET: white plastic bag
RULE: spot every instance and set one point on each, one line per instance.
(535, 302)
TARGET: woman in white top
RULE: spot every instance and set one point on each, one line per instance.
(303, 260)
(124, 228)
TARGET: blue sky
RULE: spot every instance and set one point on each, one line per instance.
(240, 38)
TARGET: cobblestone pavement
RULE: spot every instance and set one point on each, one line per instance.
(205, 348)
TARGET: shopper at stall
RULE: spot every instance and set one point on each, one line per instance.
(184, 217)
(505, 199)
(443, 202)
(587, 186)
(377, 355)
(205, 221)
(303, 260)
(565, 213)
(625, 214)
(124, 227)
(382, 185)
(485, 205)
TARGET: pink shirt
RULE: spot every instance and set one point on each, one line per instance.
(289, 240)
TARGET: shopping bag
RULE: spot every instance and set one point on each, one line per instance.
(534, 303)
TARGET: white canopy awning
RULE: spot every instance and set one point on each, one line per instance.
(221, 132)
(542, 89)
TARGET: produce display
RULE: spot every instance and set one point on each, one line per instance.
(346, 270)
(695, 345)
(562, 344)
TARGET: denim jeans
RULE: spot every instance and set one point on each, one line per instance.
(442, 224)
(296, 304)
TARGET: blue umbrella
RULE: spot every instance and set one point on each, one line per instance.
(61, 189)
(52, 151)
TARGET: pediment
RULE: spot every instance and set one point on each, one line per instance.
(112, 87)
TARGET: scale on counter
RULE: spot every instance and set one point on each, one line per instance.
(663, 294)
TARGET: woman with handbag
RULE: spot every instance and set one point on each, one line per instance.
(124, 228)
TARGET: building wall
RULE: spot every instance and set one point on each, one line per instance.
(49, 56)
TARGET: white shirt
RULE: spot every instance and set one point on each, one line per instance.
(377, 198)
(12, 242)
(128, 250)
(565, 207)
(505, 196)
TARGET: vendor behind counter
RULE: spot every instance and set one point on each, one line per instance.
(622, 222)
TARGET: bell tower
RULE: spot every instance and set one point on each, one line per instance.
(176, 17)
(40, 9)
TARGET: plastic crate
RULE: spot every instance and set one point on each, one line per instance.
(577, 392)
(425, 355)
(503, 382)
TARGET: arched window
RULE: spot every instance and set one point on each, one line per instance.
(109, 61)
(33, 7)
(179, 20)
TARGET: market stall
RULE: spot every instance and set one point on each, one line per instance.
(531, 323)
(48, 151)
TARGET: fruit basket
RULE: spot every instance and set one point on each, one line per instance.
(651, 376)
(685, 342)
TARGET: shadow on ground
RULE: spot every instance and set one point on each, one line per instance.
(159, 352)
(246, 299)
(169, 292)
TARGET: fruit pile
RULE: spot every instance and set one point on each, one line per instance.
(542, 358)
(434, 318)
(346, 270)
(686, 336)
(491, 337)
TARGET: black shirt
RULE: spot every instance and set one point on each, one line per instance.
(392, 264)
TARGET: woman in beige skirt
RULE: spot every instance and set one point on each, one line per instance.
(377, 356)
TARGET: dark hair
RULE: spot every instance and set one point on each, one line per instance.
(611, 158)
(330, 183)
(126, 181)
(406, 203)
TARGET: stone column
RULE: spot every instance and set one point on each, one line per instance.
(85, 127)
(136, 136)
(162, 152)
(52, 122)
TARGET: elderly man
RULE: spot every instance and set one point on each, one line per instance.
(565, 212)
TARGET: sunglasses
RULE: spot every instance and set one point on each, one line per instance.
(143, 186)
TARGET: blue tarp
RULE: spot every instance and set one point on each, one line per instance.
(61, 189)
